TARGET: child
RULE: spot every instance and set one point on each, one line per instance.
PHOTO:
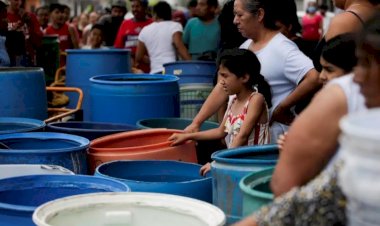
(96, 37)
(246, 121)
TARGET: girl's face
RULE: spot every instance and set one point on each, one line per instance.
(329, 71)
(367, 75)
(95, 38)
(230, 82)
(246, 22)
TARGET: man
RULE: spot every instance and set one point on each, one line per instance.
(202, 34)
(43, 16)
(113, 21)
(24, 35)
(127, 37)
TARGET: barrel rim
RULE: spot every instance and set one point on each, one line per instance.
(56, 178)
(201, 179)
(42, 212)
(53, 125)
(96, 51)
(38, 124)
(163, 79)
(249, 189)
(17, 70)
(83, 142)
(190, 62)
(219, 156)
(140, 125)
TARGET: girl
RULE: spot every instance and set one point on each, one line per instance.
(246, 121)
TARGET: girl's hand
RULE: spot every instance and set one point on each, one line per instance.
(177, 138)
(192, 128)
(205, 169)
(281, 140)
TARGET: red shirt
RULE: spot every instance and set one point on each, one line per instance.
(311, 26)
(64, 39)
(30, 28)
(128, 33)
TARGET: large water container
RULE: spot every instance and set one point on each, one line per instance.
(256, 190)
(205, 148)
(89, 130)
(14, 170)
(170, 177)
(229, 167)
(83, 64)
(146, 144)
(20, 196)
(128, 98)
(59, 149)
(132, 209)
(19, 125)
(360, 142)
(195, 67)
(23, 93)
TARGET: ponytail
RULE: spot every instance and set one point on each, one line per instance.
(263, 87)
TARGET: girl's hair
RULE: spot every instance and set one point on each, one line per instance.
(269, 7)
(163, 10)
(340, 51)
(241, 62)
(368, 40)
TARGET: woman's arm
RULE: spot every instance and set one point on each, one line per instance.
(309, 84)
(181, 48)
(214, 101)
(255, 109)
(311, 141)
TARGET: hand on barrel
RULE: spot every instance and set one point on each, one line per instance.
(205, 169)
(178, 138)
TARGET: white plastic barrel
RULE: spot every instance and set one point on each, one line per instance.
(359, 177)
(14, 170)
(128, 209)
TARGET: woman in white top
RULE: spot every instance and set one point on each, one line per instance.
(160, 40)
(284, 66)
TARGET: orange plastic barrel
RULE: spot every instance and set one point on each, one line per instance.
(149, 144)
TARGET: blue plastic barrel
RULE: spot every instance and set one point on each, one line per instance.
(89, 130)
(83, 64)
(19, 125)
(60, 149)
(195, 67)
(229, 167)
(170, 177)
(20, 196)
(128, 98)
(204, 148)
(256, 190)
(23, 93)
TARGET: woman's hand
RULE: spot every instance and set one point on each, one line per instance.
(205, 169)
(178, 138)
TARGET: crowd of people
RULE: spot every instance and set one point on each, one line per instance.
(277, 78)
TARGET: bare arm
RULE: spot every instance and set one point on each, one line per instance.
(211, 134)
(311, 141)
(141, 52)
(309, 84)
(214, 101)
(73, 37)
(342, 23)
(255, 109)
(181, 48)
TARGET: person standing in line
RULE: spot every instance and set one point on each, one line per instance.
(202, 33)
(127, 36)
(161, 40)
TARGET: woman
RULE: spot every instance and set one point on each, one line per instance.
(356, 12)
(160, 40)
(283, 64)
(321, 202)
